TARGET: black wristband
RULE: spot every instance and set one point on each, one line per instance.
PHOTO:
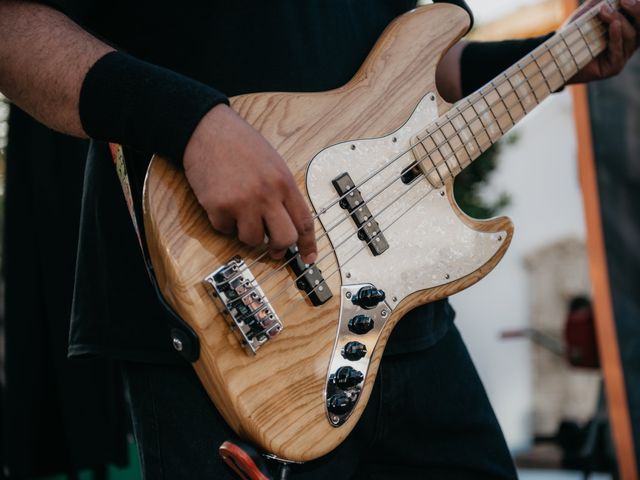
(481, 62)
(125, 100)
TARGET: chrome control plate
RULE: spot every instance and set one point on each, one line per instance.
(379, 314)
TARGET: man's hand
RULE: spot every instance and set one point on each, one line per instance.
(624, 39)
(245, 186)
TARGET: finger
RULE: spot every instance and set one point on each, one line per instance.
(223, 224)
(303, 221)
(251, 229)
(615, 53)
(629, 34)
(281, 230)
(632, 8)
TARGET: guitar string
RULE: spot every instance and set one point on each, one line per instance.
(530, 60)
(350, 234)
(495, 85)
(436, 166)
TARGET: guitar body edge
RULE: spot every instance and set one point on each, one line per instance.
(276, 398)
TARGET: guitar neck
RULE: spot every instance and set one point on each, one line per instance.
(476, 122)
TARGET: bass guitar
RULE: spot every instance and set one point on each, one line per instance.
(289, 352)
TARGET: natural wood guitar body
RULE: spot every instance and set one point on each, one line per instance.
(276, 398)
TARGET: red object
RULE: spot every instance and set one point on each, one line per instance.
(580, 336)
(244, 461)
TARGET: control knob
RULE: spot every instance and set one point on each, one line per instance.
(347, 377)
(361, 324)
(368, 297)
(354, 351)
(339, 403)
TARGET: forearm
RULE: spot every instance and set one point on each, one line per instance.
(44, 58)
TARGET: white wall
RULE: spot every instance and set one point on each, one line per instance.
(540, 174)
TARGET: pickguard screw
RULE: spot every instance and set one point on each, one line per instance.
(177, 344)
(395, 299)
(383, 313)
(447, 276)
(353, 147)
(432, 97)
(348, 295)
(499, 238)
(442, 194)
(394, 139)
(348, 275)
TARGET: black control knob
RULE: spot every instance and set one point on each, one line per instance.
(339, 403)
(347, 377)
(354, 351)
(368, 297)
(361, 324)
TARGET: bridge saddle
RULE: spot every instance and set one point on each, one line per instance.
(244, 305)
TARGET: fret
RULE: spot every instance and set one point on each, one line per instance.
(488, 120)
(595, 34)
(549, 69)
(462, 155)
(536, 80)
(576, 46)
(426, 163)
(585, 38)
(499, 109)
(568, 52)
(450, 149)
(466, 137)
(442, 152)
(524, 92)
(563, 59)
(531, 67)
(436, 158)
(483, 141)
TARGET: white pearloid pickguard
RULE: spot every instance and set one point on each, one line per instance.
(429, 245)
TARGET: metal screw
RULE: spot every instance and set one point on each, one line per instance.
(383, 313)
(442, 194)
(177, 344)
(499, 238)
(353, 147)
(348, 275)
(395, 299)
(348, 295)
(394, 139)
(432, 98)
(447, 276)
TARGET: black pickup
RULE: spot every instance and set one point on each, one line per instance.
(309, 278)
(351, 200)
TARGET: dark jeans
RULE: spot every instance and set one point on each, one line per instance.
(428, 418)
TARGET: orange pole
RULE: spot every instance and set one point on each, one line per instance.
(617, 403)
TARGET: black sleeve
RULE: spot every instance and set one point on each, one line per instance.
(481, 62)
(152, 109)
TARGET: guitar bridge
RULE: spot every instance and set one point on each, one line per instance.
(243, 304)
